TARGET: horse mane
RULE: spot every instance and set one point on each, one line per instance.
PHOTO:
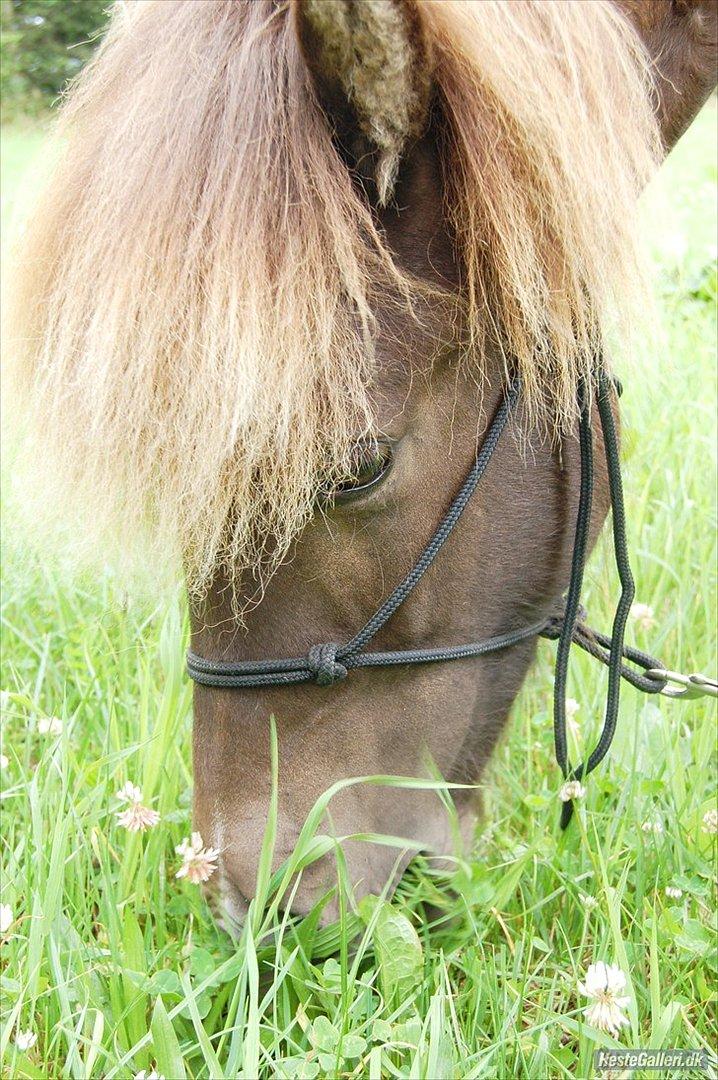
(193, 302)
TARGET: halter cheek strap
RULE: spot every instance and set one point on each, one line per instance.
(329, 663)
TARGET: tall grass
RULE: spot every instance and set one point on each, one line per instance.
(117, 966)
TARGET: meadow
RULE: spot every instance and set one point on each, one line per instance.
(111, 966)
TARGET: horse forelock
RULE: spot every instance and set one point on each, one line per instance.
(195, 296)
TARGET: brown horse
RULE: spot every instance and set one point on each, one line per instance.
(276, 230)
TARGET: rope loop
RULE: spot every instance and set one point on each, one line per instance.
(322, 662)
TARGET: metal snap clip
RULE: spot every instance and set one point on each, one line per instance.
(679, 685)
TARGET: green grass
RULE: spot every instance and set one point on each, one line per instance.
(117, 965)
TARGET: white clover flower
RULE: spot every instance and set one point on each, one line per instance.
(6, 918)
(587, 902)
(49, 725)
(4, 761)
(25, 1040)
(572, 789)
(572, 725)
(709, 823)
(642, 615)
(136, 818)
(198, 862)
(673, 892)
(603, 985)
(129, 793)
(655, 827)
(153, 1075)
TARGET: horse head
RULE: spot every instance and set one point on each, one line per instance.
(290, 257)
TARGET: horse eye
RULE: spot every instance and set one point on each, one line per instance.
(371, 461)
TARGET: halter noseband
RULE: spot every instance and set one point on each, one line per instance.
(329, 663)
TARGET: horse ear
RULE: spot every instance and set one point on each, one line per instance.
(681, 38)
(371, 67)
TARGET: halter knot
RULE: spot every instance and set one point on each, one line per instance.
(552, 630)
(322, 661)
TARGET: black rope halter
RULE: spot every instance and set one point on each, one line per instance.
(328, 663)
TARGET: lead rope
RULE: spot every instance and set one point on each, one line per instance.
(573, 597)
(570, 630)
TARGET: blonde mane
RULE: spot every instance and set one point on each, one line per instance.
(193, 304)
